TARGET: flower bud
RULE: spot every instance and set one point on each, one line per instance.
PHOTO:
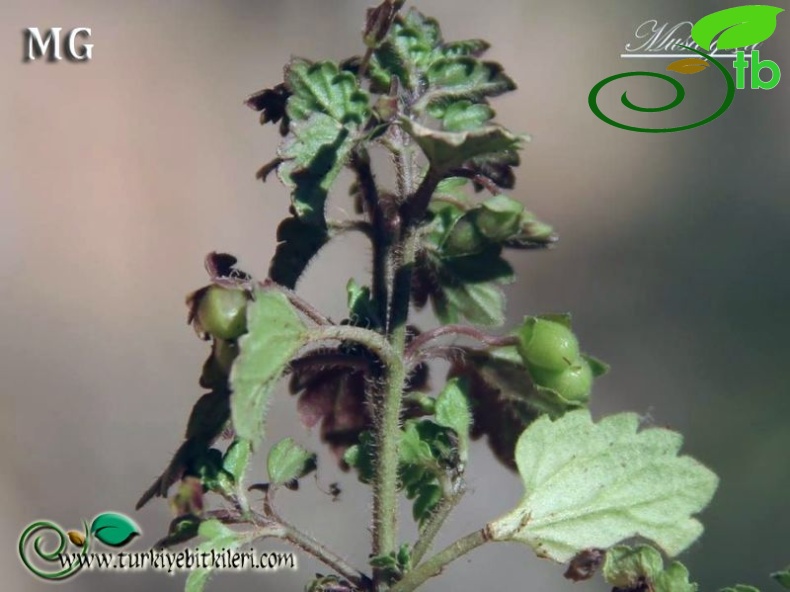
(547, 345)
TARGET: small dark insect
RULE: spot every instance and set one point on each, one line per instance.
(335, 491)
(585, 564)
(293, 484)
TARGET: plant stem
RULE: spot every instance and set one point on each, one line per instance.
(298, 302)
(381, 238)
(458, 330)
(433, 566)
(372, 340)
(435, 522)
(326, 556)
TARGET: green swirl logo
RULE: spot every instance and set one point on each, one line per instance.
(114, 530)
(740, 26)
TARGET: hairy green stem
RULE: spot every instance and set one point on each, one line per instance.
(399, 267)
(435, 522)
(372, 340)
(326, 556)
(433, 566)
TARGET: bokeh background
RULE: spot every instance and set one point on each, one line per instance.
(117, 176)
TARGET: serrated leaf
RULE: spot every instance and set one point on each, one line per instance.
(782, 577)
(593, 485)
(452, 411)
(275, 334)
(297, 243)
(688, 65)
(467, 47)
(446, 150)
(463, 115)
(313, 155)
(114, 530)
(327, 110)
(324, 88)
(288, 461)
(453, 79)
(738, 27)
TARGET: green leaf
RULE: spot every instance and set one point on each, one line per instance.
(275, 334)
(323, 87)
(362, 457)
(625, 565)
(288, 461)
(628, 568)
(593, 485)
(413, 449)
(462, 115)
(739, 26)
(453, 79)
(480, 304)
(783, 577)
(236, 459)
(426, 501)
(740, 588)
(452, 411)
(327, 111)
(114, 530)
(313, 155)
(297, 243)
(362, 310)
(218, 538)
(446, 150)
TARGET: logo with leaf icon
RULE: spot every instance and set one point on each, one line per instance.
(110, 528)
(731, 28)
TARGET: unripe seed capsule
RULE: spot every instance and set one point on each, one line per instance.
(547, 345)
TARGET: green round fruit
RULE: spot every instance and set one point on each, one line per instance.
(573, 384)
(222, 312)
(547, 345)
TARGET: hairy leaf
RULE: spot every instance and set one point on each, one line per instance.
(275, 334)
(593, 485)
(288, 461)
(327, 110)
(452, 411)
(446, 150)
(459, 78)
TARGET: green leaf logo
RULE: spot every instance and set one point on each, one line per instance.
(737, 27)
(114, 530)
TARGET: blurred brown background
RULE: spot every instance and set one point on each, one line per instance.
(117, 176)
